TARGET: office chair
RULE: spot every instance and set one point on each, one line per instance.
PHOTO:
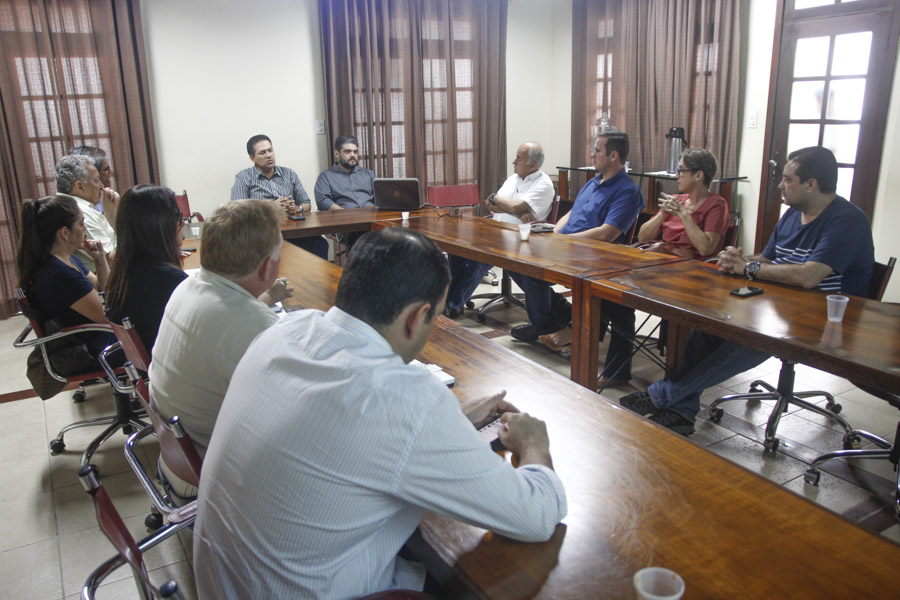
(453, 196)
(784, 394)
(129, 551)
(125, 416)
(506, 295)
(185, 207)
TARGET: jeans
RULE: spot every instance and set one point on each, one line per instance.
(465, 275)
(620, 351)
(314, 244)
(708, 360)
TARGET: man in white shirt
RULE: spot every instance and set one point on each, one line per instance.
(330, 447)
(78, 178)
(526, 196)
(214, 314)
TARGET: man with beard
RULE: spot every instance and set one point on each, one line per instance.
(345, 184)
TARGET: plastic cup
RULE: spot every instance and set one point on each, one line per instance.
(837, 304)
(405, 215)
(524, 231)
(656, 583)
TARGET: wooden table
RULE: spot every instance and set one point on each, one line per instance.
(638, 495)
(557, 258)
(786, 321)
(341, 221)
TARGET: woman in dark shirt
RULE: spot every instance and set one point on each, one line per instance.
(147, 268)
(57, 284)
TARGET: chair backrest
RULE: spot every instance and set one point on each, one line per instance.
(629, 237)
(185, 207)
(732, 233)
(34, 317)
(131, 343)
(881, 275)
(445, 196)
(554, 210)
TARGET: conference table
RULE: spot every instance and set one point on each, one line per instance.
(338, 221)
(638, 496)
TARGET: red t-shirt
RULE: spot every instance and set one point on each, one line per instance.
(712, 216)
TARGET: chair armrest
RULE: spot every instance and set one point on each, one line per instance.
(65, 332)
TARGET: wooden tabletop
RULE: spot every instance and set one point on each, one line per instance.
(340, 221)
(787, 321)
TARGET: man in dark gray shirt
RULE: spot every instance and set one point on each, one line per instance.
(345, 184)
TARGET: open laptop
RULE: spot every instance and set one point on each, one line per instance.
(397, 194)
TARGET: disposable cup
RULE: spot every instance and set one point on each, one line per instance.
(837, 304)
(405, 215)
(656, 583)
(524, 231)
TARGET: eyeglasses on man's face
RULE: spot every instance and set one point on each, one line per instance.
(681, 170)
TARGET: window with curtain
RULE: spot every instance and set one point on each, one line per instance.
(72, 73)
(656, 64)
(428, 85)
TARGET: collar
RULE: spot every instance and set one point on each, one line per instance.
(259, 173)
(598, 180)
(82, 203)
(532, 177)
(337, 169)
(215, 279)
(347, 322)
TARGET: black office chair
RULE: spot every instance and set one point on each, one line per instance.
(784, 394)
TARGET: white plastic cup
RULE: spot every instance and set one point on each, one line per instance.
(524, 231)
(405, 215)
(656, 583)
(837, 304)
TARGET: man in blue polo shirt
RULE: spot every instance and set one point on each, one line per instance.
(605, 209)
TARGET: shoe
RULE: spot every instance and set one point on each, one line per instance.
(524, 333)
(639, 402)
(452, 313)
(674, 421)
(603, 382)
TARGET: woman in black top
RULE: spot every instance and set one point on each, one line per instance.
(56, 283)
(147, 268)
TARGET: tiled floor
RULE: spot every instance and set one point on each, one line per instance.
(50, 541)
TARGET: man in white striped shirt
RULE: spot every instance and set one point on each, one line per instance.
(330, 447)
(822, 241)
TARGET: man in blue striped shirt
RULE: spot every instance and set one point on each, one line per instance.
(267, 181)
(822, 241)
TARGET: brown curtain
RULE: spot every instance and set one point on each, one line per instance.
(421, 84)
(665, 63)
(72, 72)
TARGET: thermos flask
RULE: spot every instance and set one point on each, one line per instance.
(676, 145)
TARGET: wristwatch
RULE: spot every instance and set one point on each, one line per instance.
(491, 200)
(751, 269)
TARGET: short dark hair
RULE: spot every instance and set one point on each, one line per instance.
(254, 141)
(698, 159)
(345, 139)
(98, 154)
(616, 140)
(388, 270)
(816, 163)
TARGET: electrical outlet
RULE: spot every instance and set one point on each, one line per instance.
(751, 121)
(320, 127)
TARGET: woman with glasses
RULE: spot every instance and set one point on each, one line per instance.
(693, 222)
(147, 268)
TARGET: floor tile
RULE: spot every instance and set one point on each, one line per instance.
(20, 442)
(810, 434)
(832, 492)
(27, 520)
(76, 511)
(892, 533)
(125, 589)
(774, 466)
(21, 412)
(28, 476)
(31, 572)
(109, 458)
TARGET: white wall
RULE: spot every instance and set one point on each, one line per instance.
(224, 70)
(539, 78)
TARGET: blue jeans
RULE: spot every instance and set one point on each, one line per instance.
(549, 312)
(465, 275)
(315, 244)
(708, 360)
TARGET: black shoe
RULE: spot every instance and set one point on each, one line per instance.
(524, 333)
(639, 402)
(452, 313)
(674, 421)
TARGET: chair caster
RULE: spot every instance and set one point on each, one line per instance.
(772, 444)
(153, 521)
(716, 414)
(57, 446)
(480, 317)
(470, 305)
(812, 476)
(835, 408)
(78, 396)
(852, 442)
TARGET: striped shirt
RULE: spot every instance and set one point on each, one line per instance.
(327, 453)
(251, 183)
(840, 237)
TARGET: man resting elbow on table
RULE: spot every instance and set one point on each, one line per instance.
(822, 241)
(330, 448)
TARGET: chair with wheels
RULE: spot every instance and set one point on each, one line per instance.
(129, 551)
(784, 393)
(125, 417)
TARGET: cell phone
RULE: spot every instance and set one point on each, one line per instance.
(291, 307)
(296, 217)
(489, 433)
(747, 291)
(188, 249)
(541, 227)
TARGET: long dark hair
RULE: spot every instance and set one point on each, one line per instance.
(41, 220)
(147, 233)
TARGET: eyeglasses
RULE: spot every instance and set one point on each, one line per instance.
(679, 171)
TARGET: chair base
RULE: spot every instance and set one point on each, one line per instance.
(506, 297)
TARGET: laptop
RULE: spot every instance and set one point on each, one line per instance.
(400, 193)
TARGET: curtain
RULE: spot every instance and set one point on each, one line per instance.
(656, 64)
(72, 72)
(421, 84)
